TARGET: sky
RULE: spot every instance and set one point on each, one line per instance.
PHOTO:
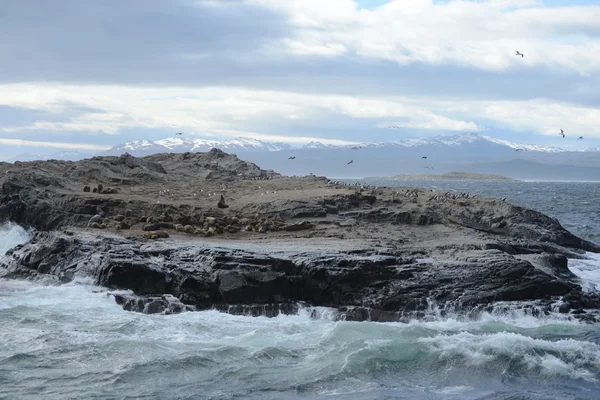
(86, 75)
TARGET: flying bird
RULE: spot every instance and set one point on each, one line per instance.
(394, 127)
(356, 148)
(424, 158)
(350, 162)
(179, 133)
(292, 158)
(519, 150)
(580, 137)
(520, 54)
(562, 133)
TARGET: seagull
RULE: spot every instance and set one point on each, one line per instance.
(424, 158)
(179, 133)
(519, 150)
(356, 148)
(580, 137)
(520, 54)
(292, 158)
(562, 133)
(349, 162)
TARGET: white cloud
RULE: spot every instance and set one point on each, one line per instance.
(543, 117)
(220, 110)
(56, 145)
(225, 111)
(482, 35)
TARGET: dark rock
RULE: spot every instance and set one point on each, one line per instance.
(362, 285)
(152, 227)
(86, 189)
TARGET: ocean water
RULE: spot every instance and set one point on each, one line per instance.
(74, 342)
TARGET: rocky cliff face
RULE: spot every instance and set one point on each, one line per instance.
(196, 231)
(381, 284)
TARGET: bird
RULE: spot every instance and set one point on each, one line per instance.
(520, 54)
(179, 133)
(424, 158)
(292, 158)
(519, 150)
(356, 148)
(580, 137)
(350, 162)
(562, 133)
(394, 127)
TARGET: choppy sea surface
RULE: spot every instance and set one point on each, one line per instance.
(74, 342)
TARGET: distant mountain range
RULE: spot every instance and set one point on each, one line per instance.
(186, 144)
(468, 152)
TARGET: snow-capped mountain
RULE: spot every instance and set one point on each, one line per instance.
(469, 142)
(451, 142)
(187, 144)
(528, 147)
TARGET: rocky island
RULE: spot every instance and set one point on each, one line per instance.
(174, 232)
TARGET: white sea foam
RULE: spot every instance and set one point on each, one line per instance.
(588, 270)
(12, 235)
(77, 336)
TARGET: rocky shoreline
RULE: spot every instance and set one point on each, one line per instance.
(198, 231)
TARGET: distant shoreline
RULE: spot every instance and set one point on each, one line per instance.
(447, 176)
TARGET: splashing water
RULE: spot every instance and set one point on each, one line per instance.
(74, 341)
(12, 235)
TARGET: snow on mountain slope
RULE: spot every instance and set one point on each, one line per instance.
(237, 144)
(528, 147)
(180, 144)
(469, 142)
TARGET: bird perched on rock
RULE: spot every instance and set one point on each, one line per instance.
(221, 203)
(520, 54)
(562, 133)
(350, 162)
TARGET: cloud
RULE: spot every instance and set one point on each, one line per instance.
(227, 111)
(482, 35)
(295, 70)
(133, 40)
(217, 110)
(57, 145)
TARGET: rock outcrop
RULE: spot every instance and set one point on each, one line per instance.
(379, 284)
(155, 226)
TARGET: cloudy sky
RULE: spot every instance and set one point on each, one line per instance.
(89, 74)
